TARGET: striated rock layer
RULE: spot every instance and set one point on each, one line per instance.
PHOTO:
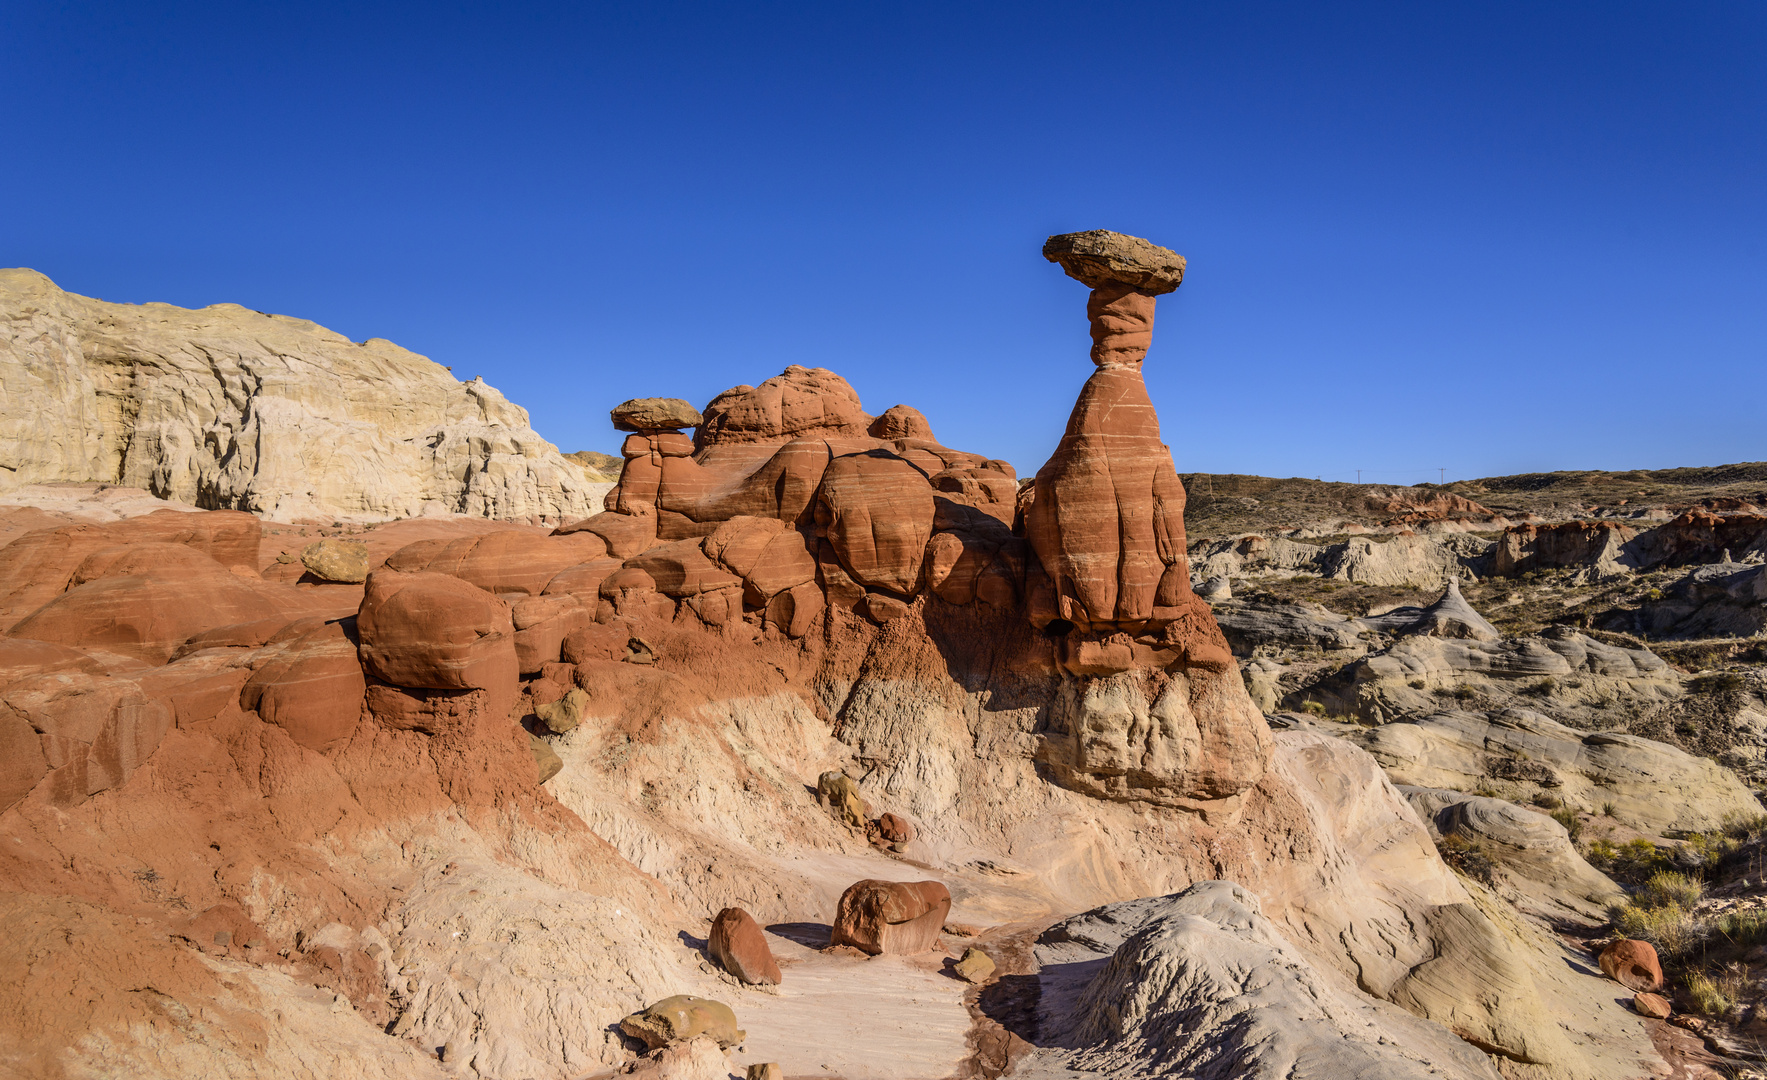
(228, 408)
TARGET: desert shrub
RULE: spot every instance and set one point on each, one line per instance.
(1607, 809)
(1709, 994)
(1546, 800)
(1417, 684)
(1567, 817)
(1313, 708)
(1634, 860)
(1600, 854)
(1744, 826)
(1653, 594)
(1673, 929)
(1705, 850)
(1543, 688)
(1464, 692)
(1469, 857)
(1668, 887)
(1743, 927)
(1717, 682)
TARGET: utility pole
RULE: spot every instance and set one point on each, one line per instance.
(1358, 476)
(1442, 474)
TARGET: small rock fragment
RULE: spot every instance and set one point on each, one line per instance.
(546, 761)
(976, 965)
(1652, 1005)
(565, 713)
(768, 1071)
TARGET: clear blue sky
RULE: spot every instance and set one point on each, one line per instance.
(1488, 237)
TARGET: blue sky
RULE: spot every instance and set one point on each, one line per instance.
(1489, 238)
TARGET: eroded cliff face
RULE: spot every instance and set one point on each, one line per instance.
(490, 797)
(228, 408)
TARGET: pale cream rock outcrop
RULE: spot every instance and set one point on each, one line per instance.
(1542, 873)
(227, 408)
(1653, 786)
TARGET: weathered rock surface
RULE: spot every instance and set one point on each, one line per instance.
(1652, 786)
(1101, 257)
(336, 560)
(1200, 984)
(651, 416)
(1633, 964)
(223, 407)
(1541, 867)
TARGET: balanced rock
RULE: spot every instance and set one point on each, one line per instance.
(681, 1018)
(739, 946)
(652, 415)
(344, 561)
(1101, 257)
(893, 917)
(1633, 964)
(1107, 514)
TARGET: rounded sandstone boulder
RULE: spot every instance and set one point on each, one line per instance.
(435, 631)
(891, 917)
(682, 1017)
(739, 946)
(1633, 964)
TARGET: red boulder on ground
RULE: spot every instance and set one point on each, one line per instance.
(741, 949)
(895, 917)
(1633, 964)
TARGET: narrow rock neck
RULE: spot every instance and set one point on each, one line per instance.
(1122, 325)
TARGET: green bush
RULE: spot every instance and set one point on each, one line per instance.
(1668, 887)
(1607, 809)
(1743, 927)
(1709, 998)
(1674, 930)
(1745, 826)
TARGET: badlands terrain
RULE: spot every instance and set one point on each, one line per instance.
(351, 730)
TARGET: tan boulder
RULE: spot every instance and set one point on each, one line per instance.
(564, 712)
(682, 1018)
(1654, 1006)
(336, 560)
(891, 917)
(547, 763)
(837, 791)
(975, 966)
(738, 945)
(435, 631)
(648, 415)
(1100, 257)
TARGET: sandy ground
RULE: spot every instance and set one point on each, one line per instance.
(882, 1018)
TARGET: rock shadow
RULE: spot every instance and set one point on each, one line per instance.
(811, 935)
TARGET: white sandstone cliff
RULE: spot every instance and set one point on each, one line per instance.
(229, 408)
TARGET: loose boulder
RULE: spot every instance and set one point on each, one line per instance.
(435, 631)
(681, 1018)
(1633, 964)
(893, 917)
(343, 561)
(740, 948)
